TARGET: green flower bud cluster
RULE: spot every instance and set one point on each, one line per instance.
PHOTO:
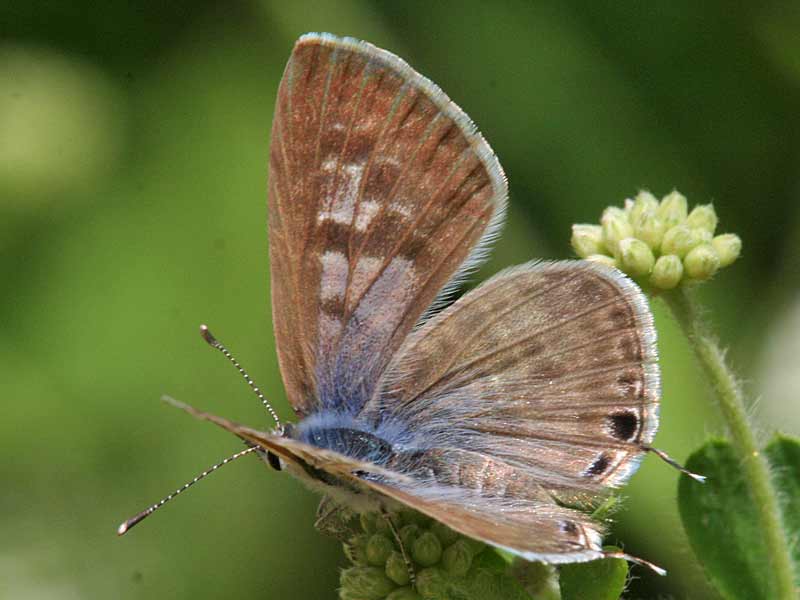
(446, 564)
(660, 242)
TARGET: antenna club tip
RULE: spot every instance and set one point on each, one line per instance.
(207, 336)
(123, 528)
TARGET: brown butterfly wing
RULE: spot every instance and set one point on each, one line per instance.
(538, 531)
(327, 460)
(549, 367)
(381, 192)
(476, 495)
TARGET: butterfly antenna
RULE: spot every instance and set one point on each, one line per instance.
(673, 463)
(127, 525)
(215, 343)
(636, 560)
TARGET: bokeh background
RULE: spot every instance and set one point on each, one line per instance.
(133, 167)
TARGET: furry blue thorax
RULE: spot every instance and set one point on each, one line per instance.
(342, 433)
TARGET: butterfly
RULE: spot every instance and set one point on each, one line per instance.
(497, 414)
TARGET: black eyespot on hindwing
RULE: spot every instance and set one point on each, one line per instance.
(599, 466)
(623, 425)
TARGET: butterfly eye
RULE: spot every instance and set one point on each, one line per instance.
(274, 461)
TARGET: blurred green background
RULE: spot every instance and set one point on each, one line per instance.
(133, 166)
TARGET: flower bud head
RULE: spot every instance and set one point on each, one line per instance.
(673, 209)
(701, 262)
(728, 247)
(703, 216)
(603, 259)
(667, 272)
(678, 240)
(426, 549)
(635, 257)
(587, 240)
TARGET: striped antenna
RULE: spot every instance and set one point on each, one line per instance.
(214, 343)
(127, 525)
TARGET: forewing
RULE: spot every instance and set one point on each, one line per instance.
(478, 496)
(550, 367)
(292, 450)
(381, 192)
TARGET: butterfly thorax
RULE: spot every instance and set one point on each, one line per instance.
(342, 434)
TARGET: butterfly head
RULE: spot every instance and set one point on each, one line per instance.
(286, 430)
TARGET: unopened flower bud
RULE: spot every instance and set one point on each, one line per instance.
(426, 549)
(365, 582)
(404, 593)
(616, 227)
(678, 240)
(409, 533)
(701, 236)
(645, 202)
(701, 262)
(396, 569)
(457, 558)
(475, 546)
(408, 517)
(635, 257)
(649, 228)
(673, 209)
(703, 216)
(368, 521)
(728, 247)
(446, 535)
(628, 206)
(432, 583)
(613, 212)
(667, 272)
(587, 240)
(603, 259)
(379, 547)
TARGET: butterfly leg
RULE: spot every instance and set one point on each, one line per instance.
(334, 520)
(636, 560)
(673, 463)
(412, 576)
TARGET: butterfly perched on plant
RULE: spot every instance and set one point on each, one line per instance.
(496, 415)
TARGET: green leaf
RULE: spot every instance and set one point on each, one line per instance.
(721, 521)
(602, 579)
(783, 454)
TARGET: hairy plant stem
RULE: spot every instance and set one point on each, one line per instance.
(730, 400)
